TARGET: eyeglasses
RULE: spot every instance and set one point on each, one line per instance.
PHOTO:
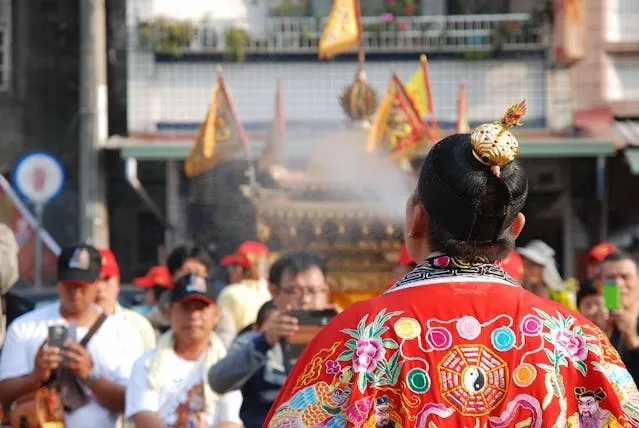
(302, 291)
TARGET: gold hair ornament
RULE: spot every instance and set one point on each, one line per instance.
(493, 145)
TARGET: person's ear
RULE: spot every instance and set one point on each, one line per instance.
(518, 225)
(419, 222)
(274, 290)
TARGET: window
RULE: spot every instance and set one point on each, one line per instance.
(622, 20)
(5, 43)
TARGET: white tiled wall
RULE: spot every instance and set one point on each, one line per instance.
(622, 19)
(623, 77)
(180, 92)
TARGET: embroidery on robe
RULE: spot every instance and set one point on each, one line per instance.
(624, 387)
(384, 415)
(589, 413)
(447, 267)
(473, 379)
(367, 350)
(314, 369)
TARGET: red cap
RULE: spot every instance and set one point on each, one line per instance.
(513, 265)
(246, 255)
(157, 275)
(600, 251)
(404, 258)
(236, 259)
(110, 268)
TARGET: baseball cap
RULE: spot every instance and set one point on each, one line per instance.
(157, 275)
(600, 251)
(236, 259)
(472, 185)
(79, 264)
(193, 287)
(110, 266)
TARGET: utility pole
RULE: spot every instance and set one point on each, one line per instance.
(93, 123)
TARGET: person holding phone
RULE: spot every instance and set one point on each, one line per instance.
(620, 278)
(34, 351)
(256, 362)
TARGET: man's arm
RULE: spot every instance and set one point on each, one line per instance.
(147, 420)
(109, 394)
(13, 388)
(246, 356)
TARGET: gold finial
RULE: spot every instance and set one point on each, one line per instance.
(493, 145)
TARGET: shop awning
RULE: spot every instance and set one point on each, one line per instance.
(176, 149)
(628, 132)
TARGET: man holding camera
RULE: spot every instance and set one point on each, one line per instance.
(92, 378)
(256, 362)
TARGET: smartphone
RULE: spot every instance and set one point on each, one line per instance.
(612, 296)
(310, 323)
(73, 331)
(58, 334)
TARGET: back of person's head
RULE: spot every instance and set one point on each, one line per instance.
(472, 188)
(180, 254)
(586, 289)
(263, 313)
(294, 263)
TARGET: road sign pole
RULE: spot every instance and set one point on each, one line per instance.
(37, 274)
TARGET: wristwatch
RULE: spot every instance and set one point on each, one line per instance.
(93, 376)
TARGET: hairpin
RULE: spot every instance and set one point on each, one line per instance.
(493, 145)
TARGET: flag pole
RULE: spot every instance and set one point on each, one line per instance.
(250, 172)
(433, 120)
(361, 56)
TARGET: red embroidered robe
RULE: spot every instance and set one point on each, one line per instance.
(455, 345)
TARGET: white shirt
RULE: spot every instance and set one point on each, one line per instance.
(182, 386)
(113, 348)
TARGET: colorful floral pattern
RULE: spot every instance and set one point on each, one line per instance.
(455, 364)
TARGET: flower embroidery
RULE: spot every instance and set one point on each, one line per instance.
(571, 344)
(332, 367)
(368, 352)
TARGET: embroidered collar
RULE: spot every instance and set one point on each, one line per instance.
(439, 268)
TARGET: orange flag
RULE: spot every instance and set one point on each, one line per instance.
(398, 127)
(462, 119)
(220, 137)
(342, 31)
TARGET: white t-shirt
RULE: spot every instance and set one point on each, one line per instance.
(182, 388)
(113, 348)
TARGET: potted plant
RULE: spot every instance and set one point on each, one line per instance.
(166, 36)
(236, 40)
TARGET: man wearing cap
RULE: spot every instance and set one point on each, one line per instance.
(457, 342)
(244, 298)
(102, 367)
(156, 281)
(168, 384)
(108, 290)
(9, 271)
(595, 256)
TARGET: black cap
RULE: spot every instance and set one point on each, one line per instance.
(80, 264)
(465, 197)
(193, 287)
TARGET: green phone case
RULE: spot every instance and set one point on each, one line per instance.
(612, 296)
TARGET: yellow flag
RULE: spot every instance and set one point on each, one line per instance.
(220, 137)
(342, 31)
(418, 88)
(397, 128)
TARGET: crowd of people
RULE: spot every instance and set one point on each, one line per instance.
(471, 331)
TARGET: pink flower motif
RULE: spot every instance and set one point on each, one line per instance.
(332, 367)
(574, 346)
(367, 353)
(442, 261)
